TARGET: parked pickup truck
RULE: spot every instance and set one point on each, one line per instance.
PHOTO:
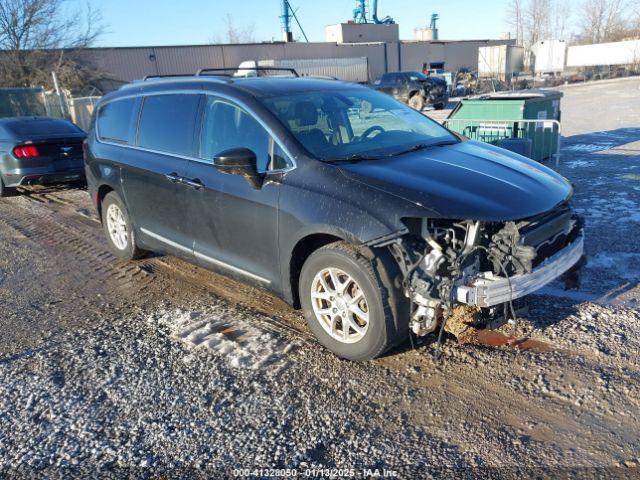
(415, 89)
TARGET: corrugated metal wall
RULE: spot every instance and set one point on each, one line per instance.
(126, 64)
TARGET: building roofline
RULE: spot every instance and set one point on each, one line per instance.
(205, 45)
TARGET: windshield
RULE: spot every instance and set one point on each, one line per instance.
(355, 124)
(415, 76)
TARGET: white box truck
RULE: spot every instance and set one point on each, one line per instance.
(602, 54)
(549, 56)
(500, 61)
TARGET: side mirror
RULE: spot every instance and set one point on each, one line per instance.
(239, 161)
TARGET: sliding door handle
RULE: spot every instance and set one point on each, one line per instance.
(195, 183)
(173, 177)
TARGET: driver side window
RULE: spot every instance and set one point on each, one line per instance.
(226, 126)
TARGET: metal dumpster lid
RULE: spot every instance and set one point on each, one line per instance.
(518, 95)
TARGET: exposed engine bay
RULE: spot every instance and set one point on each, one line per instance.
(446, 263)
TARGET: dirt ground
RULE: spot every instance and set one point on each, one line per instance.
(158, 367)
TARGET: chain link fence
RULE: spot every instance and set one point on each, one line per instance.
(36, 101)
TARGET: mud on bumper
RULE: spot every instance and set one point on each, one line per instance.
(488, 289)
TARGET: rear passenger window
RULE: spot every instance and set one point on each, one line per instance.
(167, 123)
(117, 120)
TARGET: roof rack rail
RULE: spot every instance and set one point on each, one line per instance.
(150, 77)
(212, 71)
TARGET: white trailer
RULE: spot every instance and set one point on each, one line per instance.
(549, 56)
(500, 61)
(354, 69)
(603, 54)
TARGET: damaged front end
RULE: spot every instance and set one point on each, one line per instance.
(483, 265)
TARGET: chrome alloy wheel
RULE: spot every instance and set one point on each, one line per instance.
(117, 227)
(340, 305)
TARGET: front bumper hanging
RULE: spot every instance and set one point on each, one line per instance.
(488, 289)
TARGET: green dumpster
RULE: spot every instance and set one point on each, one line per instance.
(529, 114)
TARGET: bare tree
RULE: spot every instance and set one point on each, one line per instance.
(560, 19)
(234, 34)
(534, 20)
(40, 36)
(537, 20)
(602, 21)
(515, 19)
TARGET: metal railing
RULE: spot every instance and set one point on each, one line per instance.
(545, 135)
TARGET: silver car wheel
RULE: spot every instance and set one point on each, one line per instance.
(117, 227)
(339, 305)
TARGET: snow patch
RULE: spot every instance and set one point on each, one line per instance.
(626, 265)
(580, 164)
(589, 147)
(243, 345)
(616, 205)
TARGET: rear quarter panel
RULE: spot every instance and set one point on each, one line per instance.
(101, 167)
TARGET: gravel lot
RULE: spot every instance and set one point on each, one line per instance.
(160, 368)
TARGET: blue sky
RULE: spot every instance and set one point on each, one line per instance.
(183, 22)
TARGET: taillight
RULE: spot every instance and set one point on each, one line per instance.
(26, 151)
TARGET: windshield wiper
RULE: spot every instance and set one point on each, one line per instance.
(422, 146)
(356, 157)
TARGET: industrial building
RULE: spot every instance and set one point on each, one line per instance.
(130, 63)
(366, 36)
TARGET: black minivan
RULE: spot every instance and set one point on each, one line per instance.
(368, 215)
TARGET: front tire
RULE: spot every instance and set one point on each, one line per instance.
(417, 102)
(350, 303)
(118, 228)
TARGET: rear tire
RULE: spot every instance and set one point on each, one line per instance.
(341, 291)
(417, 102)
(439, 106)
(118, 228)
(6, 191)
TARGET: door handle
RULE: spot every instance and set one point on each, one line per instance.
(195, 183)
(172, 177)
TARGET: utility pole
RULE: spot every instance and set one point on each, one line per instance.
(285, 19)
(59, 93)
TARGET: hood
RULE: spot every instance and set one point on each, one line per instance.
(468, 180)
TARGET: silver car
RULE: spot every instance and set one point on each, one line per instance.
(39, 150)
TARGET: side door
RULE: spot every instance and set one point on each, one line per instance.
(401, 88)
(235, 226)
(388, 83)
(151, 180)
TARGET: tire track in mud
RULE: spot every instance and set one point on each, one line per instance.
(75, 242)
(79, 253)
